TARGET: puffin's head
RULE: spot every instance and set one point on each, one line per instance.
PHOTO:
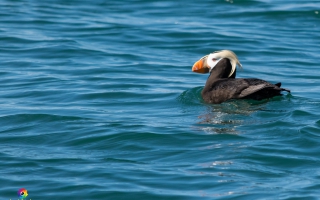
(208, 62)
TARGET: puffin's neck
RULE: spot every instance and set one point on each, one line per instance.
(221, 70)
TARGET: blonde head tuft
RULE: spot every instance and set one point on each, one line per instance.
(231, 56)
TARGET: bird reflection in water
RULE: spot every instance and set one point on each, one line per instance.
(225, 118)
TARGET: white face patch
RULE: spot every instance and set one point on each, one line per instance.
(213, 60)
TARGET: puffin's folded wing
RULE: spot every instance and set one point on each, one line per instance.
(252, 89)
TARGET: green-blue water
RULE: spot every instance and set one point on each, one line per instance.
(98, 100)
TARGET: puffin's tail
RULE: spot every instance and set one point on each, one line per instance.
(282, 89)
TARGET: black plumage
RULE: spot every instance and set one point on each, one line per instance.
(219, 87)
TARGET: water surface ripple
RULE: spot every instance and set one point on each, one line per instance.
(98, 100)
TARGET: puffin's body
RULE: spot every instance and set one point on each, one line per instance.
(222, 84)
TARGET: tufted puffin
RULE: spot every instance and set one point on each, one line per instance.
(223, 85)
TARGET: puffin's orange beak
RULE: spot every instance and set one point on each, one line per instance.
(199, 67)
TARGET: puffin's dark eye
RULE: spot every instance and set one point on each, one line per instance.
(214, 59)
